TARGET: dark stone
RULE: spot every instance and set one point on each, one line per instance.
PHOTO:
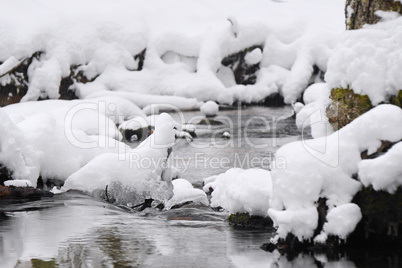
(210, 121)
(141, 133)
(5, 174)
(244, 73)
(382, 218)
(21, 194)
(141, 58)
(245, 221)
(273, 100)
(18, 86)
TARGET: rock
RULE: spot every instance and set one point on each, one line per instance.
(346, 106)
(360, 12)
(273, 100)
(14, 83)
(245, 221)
(21, 194)
(382, 218)
(5, 174)
(396, 100)
(244, 73)
(210, 121)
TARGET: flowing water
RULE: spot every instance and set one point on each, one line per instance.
(75, 230)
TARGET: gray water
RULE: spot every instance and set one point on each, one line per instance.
(75, 230)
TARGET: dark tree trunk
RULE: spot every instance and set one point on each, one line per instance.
(360, 12)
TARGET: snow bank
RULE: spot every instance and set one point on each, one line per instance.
(341, 221)
(185, 44)
(131, 177)
(183, 191)
(323, 168)
(238, 190)
(55, 138)
(383, 172)
(369, 60)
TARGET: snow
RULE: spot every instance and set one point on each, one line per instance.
(210, 108)
(185, 44)
(8, 65)
(241, 191)
(368, 60)
(342, 220)
(18, 183)
(183, 191)
(313, 114)
(254, 56)
(323, 168)
(55, 138)
(131, 177)
(383, 172)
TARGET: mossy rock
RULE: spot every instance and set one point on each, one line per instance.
(396, 100)
(382, 217)
(346, 106)
(246, 221)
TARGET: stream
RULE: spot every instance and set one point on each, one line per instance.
(76, 230)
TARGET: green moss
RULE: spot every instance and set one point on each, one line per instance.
(346, 106)
(43, 264)
(397, 100)
(244, 220)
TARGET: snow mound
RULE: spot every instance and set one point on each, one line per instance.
(313, 114)
(55, 138)
(18, 183)
(368, 61)
(238, 190)
(210, 108)
(183, 191)
(383, 172)
(323, 168)
(134, 176)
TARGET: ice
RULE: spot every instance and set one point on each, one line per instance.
(238, 191)
(324, 168)
(183, 191)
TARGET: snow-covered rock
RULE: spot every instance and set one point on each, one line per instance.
(183, 192)
(241, 191)
(134, 176)
(209, 108)
(106, 46)
(324, 168)
(368, 61)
